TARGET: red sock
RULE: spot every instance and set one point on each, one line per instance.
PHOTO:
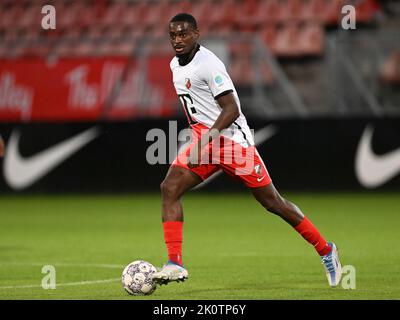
(173, 240)
(309, 232)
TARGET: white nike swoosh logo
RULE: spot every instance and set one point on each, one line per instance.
(21, 173)
(260, 137)
(259, 179)
(374, 170)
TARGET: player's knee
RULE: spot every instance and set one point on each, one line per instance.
(169, 189)
(273, 203)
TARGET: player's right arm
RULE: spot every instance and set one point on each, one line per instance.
(221, 88)
(229, 113)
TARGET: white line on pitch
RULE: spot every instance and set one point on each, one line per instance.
(62, 264)
(80, 283)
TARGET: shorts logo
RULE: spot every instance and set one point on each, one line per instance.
(188, 84)
(257, 169)
(218, 80)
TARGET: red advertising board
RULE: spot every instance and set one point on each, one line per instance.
(85, 89)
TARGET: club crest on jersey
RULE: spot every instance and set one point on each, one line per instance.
(188, 84)
(257, 169)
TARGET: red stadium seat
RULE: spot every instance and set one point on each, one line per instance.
(84, 48)
(10, 18)
(245, 21)
(223, 14)
(268, 35)
(88, 16)
(312, 40)
(268, 12)
(30, 18)
(287, 42)
(201, 12)
(157, 15)
(240, 49)
(390, 71)
(366, 10)
(241, 71)
(291, 11)
(333, 12)
(112, 15)
(314, 11)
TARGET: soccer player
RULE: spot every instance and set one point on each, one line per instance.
(212, 107)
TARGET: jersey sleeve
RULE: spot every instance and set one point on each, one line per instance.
(215, 75)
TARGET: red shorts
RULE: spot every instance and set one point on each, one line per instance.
(244, 164)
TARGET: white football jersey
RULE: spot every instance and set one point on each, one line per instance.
(198, 85)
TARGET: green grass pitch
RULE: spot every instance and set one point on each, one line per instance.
(232, 248)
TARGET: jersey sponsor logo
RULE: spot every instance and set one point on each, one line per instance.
(374, 170)
(187, 84)
(20, 172)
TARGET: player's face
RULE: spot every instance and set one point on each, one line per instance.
(183, 37)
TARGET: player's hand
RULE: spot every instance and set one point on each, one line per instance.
(195, 156)
(1, 147)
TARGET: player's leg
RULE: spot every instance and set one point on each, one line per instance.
(271, 200)
(177, 181)
(255, 176)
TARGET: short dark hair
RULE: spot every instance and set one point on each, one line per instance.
(185, 17)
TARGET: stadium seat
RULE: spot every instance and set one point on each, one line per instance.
(240, 49)
(332, 12)
(29, 18)
(290, 11)
(311, 40)
(88, 16)
(366, 10)
(10, 18)
(268, 12)
(157, 15)
(84, 48)
(390, 71)
(112, 15)
(224, 14)
(133, 15)
(245, 21)
(241, 71)
(313, 11)
(287, 42)
(268, 35)
(201, 11)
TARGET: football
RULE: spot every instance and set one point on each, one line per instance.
(136, 278)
